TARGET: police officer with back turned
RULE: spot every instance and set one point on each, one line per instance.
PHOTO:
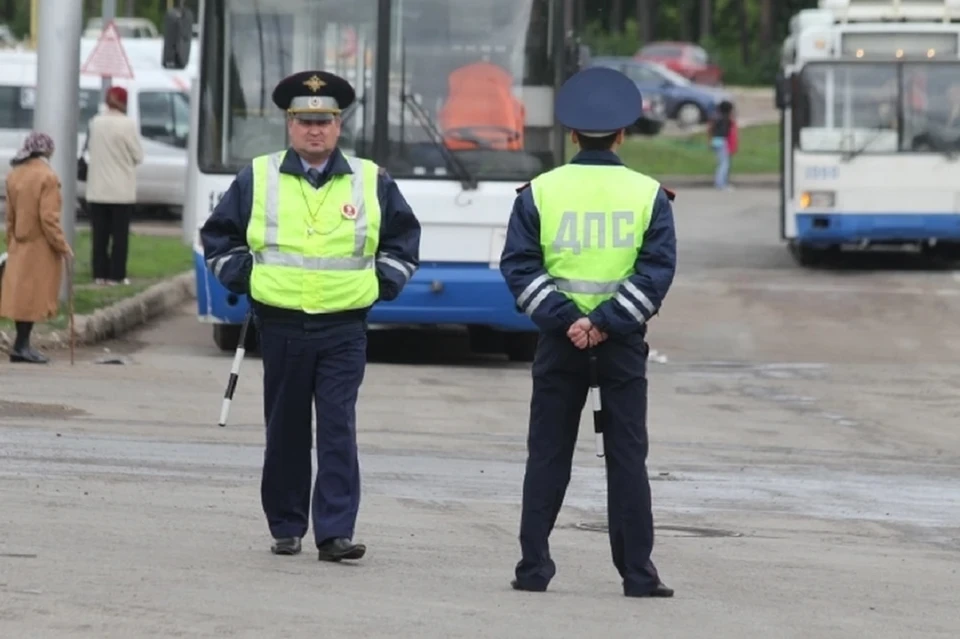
(314, 238)
(590, 255)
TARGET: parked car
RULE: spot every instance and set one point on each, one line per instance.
(653, 118)
(688, 59)
(684, 101)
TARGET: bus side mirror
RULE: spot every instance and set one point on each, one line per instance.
(177, 38)
(782, 91)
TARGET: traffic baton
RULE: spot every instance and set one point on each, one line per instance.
(597, 405)
(235, 371)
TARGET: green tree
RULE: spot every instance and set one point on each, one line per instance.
(742, 36)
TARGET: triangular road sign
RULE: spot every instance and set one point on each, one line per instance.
(108, 59)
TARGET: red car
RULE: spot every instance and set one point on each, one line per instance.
(685, 58)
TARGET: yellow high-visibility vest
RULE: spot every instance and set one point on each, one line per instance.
(592, 222)
(314, 249)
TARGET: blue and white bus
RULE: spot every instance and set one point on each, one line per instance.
(455, 100)
(870, 100)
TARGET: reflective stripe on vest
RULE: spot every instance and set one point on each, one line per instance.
(314, 249)
(592, 222)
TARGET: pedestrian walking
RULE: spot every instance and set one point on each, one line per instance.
(722, 133)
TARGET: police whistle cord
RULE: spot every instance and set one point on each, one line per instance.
(234, 371)
(595, 401)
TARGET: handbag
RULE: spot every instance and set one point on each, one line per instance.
(82, 161)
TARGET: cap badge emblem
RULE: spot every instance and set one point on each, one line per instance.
(314, 83)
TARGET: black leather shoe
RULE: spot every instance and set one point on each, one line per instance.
(286, 546)
(28, 355)
(660, 591)
(340, 548)
(528, 587)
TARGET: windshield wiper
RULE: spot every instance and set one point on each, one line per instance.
(454, 165)
(877, 133)
(928, 142)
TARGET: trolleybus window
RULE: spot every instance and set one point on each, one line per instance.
(930, 99)
(879, 108)
(250, 45)
(848, 107)
(471, 79)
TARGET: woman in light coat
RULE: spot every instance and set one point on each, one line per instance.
(36, 247)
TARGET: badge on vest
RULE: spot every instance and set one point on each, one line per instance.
(349, 211)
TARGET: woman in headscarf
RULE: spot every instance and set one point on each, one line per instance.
(36, 246)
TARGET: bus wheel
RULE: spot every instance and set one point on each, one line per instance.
(226, 336)
(520, 347)
(806, 255)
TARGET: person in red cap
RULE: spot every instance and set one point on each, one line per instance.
(114, 146)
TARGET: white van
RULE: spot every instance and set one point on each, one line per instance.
(158, 101)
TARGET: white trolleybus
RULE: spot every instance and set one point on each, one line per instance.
(869, 94)
(454, 99)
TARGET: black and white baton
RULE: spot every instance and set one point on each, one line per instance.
(595, 400)
(234, 371)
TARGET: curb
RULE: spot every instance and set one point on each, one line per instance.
(119, 318)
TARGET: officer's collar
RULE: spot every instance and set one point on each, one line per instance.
(337, 165)
(596, 157)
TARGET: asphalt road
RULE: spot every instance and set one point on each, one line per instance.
(804, 450)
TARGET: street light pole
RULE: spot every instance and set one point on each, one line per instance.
(58, 99)
(109, 13)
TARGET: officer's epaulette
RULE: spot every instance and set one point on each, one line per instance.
(521, 188)
(670, 194)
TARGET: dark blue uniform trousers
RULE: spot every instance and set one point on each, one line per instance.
(560, 385)
(303, 365)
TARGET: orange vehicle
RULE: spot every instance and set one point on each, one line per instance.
(481, 111)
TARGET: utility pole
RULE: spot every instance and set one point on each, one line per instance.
(33, 23)
(109, 13)
(59, 23)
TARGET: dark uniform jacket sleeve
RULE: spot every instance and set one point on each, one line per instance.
(224, 235)
(639, 297)
(398, 256)
(522, 267)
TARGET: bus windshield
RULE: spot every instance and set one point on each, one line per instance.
(472, 79)
(882, 107)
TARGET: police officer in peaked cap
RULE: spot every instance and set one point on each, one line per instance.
(314, 237)
(590, 255)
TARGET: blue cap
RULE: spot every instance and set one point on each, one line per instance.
(598, 101)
